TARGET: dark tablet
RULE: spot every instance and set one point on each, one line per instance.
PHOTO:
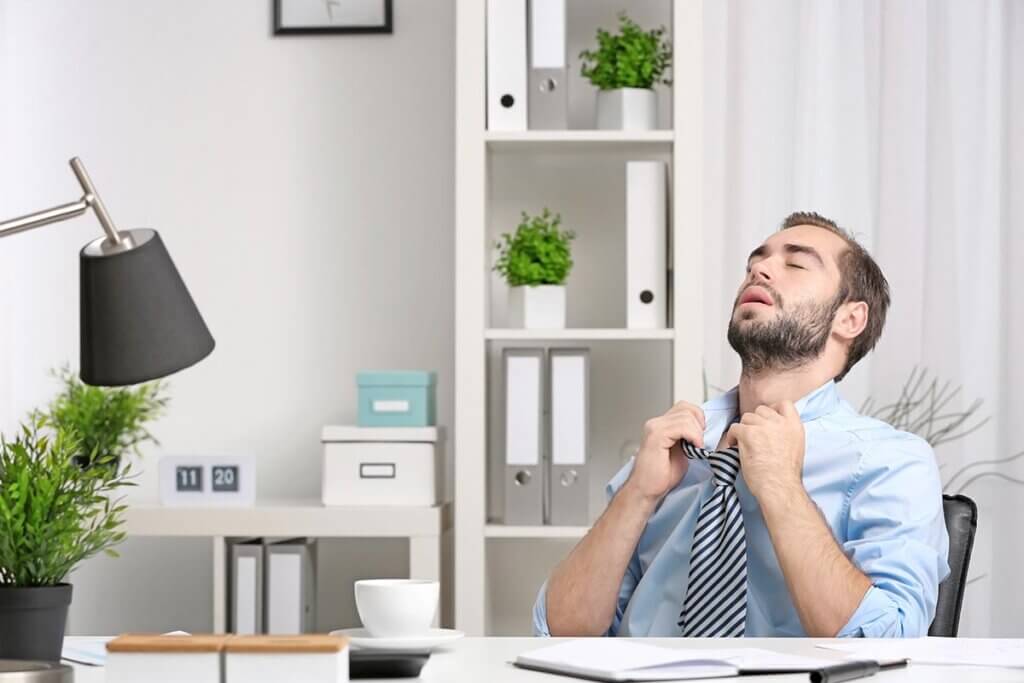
(385, 664)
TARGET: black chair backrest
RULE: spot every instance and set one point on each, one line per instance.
(961, 523)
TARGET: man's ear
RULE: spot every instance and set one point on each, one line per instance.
(851, 319)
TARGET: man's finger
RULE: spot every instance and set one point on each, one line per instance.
(732, 436)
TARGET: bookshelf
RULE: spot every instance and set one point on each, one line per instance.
(495, 170)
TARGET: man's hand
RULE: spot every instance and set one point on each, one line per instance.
(661, 464)
(771, 444)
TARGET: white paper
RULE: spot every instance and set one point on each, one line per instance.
(522, 410)
(568, 409)
(284, 595)
(1004, 652)
(91, 651)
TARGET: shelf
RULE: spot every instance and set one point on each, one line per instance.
(531, 140)
(285, 518)
(578, 334)
(503, 531)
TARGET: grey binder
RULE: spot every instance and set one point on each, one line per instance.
(569, 405)
(524, 435)
(290, 571)
(245, 596)
(548, 101)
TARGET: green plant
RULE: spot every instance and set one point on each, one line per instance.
(107, 421)
(53, 513)
(633, 58)
(537, 254)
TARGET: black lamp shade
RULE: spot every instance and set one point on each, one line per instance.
(138, 321)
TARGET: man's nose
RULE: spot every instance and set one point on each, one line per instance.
(761, 271)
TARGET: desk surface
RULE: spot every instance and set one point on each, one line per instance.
(487, 659)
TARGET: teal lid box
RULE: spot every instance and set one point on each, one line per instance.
(397, 398)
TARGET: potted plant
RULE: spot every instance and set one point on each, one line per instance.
(53, 514)
(108, 421)
(535, 262)
(625, 68)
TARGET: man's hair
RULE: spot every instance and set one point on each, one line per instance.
(860, 280)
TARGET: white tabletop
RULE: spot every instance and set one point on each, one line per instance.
(488, 659)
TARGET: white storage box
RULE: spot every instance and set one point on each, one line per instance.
(164, 659)
(380, 465)
(281, 659)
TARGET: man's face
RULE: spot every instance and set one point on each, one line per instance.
(783, 312)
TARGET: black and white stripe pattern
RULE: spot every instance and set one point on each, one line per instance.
(716, 596)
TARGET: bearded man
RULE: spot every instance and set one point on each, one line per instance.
(775, 509)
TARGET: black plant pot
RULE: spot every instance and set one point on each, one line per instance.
(32, 621)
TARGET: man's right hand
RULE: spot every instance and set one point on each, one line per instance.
(660, 463)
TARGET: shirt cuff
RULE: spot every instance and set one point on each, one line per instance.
(877, 616)
(540, 613)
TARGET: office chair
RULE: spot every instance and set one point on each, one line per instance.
(961, 523)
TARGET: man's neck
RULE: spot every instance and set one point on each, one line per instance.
(770, 387)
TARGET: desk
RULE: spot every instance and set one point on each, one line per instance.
(486, 659)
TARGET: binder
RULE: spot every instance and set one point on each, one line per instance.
(246, 587)
(524, 422)
(290, 587)
(646, 245)
(506, 65)
(548, 100)
(569, 379)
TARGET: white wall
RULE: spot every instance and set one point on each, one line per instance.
(303, 186)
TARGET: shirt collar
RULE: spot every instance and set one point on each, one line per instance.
(818, 403)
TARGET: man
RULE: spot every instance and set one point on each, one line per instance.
(802, 517)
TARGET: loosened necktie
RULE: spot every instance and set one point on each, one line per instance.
(716, 595)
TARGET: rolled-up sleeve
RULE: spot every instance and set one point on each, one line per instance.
(626, 588)
(897, 536)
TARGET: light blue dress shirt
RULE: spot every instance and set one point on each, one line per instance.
(877, 487)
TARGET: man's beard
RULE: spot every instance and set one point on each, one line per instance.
(788, 341)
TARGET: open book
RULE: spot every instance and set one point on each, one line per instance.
(615, 659)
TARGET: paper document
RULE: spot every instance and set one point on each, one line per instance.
(1005, 652)
(613, 659)
(90, 651)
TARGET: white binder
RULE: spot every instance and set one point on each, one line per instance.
(290, 587)
(524, 424)
(246, 593)
(506, 65)
(570, 425)
(646, 245)
(548, 99)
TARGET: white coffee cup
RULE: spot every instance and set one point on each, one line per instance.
(397, 608)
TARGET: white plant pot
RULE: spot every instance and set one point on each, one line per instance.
(541, 307)
(627, 109)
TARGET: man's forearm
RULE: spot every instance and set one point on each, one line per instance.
(826, 588)
(582, 592)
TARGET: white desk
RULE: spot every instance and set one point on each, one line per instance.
(486, 659)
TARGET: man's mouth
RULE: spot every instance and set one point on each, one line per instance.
(756, 295)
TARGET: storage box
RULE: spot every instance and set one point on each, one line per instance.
(397, 398)
(164, 659)
(277, 659)
(380, 466)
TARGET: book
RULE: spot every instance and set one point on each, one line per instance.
(617, 659)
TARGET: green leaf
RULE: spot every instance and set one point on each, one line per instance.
(633, 58)
(538, 253)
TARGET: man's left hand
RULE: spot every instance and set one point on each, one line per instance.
(771, 445)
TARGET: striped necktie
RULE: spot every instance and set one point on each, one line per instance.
(716, 595)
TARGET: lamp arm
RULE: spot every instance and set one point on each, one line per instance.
(91, 199)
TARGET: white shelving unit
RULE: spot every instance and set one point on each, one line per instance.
(422, 526)
(475, 154)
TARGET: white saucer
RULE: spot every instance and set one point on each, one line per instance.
(361, 638)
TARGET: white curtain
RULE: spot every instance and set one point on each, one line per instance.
(904, 121)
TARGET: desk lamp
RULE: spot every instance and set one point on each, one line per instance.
(138, 321)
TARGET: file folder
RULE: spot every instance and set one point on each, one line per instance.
(548, 99)
(246, 587)
(290, 587)
(570, 424)
(506, 65)
(646, 245)
(524, 435)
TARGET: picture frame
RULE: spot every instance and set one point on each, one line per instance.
(337, 17)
